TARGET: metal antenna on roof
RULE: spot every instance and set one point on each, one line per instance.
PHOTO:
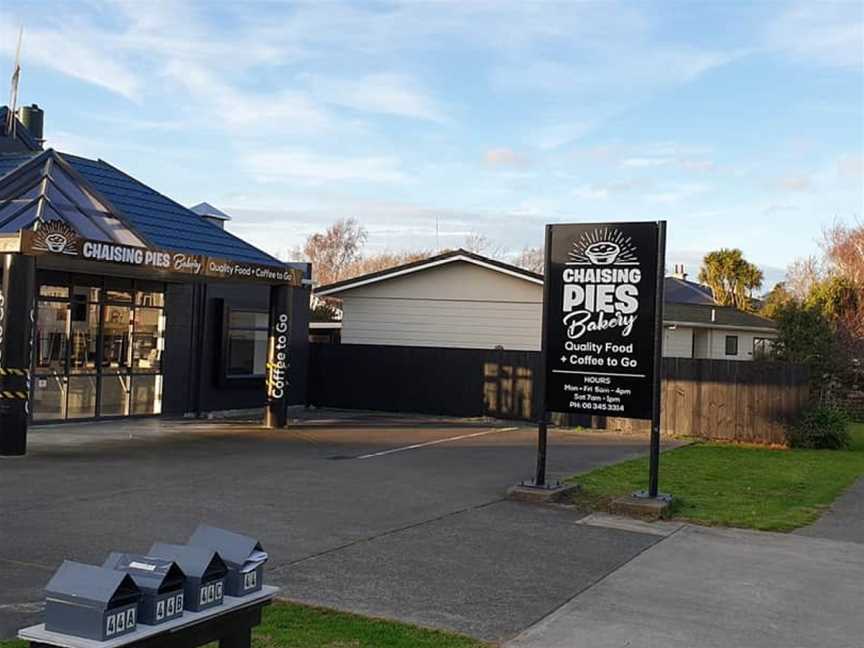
(13, 92)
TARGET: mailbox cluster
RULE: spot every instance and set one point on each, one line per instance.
(110, 601)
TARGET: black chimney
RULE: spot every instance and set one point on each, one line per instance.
(32, 118)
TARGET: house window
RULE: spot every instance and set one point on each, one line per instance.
(246, 343)
(761, 348)
(732, 345)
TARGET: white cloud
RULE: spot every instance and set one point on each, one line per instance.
(76, 52)
(278, 166)
(826, 33)
(386, 94)
(285, 111)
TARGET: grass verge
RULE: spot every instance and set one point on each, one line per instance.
(291, 625)
(738, 486)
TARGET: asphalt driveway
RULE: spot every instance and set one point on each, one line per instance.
(396, 516)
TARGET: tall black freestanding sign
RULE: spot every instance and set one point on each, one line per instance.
(603, 322)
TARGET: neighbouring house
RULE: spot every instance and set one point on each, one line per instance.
(464, 300)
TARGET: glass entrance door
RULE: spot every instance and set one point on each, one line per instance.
(98, 349)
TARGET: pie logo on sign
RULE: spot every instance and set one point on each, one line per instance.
(603, 247)
(601, 284)
(56, 237)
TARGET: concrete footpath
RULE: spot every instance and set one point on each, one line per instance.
(844, 521)
(718, 588)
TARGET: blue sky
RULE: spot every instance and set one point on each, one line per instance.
(742, 124)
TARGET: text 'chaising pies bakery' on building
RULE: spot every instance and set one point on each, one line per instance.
(117, 301)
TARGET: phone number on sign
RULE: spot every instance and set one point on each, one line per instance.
(606, 407)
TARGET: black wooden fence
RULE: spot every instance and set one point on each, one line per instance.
(718, 399)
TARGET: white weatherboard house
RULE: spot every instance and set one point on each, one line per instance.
(463, 300)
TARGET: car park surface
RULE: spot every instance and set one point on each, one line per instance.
(397, 516)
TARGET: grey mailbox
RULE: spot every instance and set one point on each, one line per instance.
(204, 570)
(160, 582)
(243, 555)
(91, 602)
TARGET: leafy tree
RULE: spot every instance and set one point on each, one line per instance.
(778, 297)
(731, 278)
(805, 336)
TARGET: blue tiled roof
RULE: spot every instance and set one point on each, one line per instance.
(163, 222)
(11, 161)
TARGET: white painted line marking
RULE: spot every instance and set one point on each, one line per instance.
(598, 373)
(431, 443)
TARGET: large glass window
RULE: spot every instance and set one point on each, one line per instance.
(246, 343)
(148, 339)
(51, 334)
(116, 333)
(98, 348)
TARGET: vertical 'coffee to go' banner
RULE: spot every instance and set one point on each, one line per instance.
(278, 357)
(600, 341)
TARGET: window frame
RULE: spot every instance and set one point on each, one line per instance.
(224, 374)
(726, 345)
(100, 300)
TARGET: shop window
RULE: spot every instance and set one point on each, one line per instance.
(118, 295)
(114, 398)
(246, 343)
(85, 293)
(51, 336)
(49, 398)
(81, 400)
(732, 345)
(55, 292)
(84, 331)
(116, 324)
(151, 299)
(148, 340)
(99, 347)
(146, 394)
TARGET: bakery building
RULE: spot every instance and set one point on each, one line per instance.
(117, 301)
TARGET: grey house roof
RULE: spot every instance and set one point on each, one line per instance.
(150, 574)
(681, 291)
(88, 583)
(701, 314)
(194, 561)
(234, 548)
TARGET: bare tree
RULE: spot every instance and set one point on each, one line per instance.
(334, 251)
(530, 258)
(482, 244)
(385, 260)
(802, 275)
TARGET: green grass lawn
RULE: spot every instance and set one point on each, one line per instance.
(731, 485)
(290, 625)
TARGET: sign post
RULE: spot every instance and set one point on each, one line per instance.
(543, 420)
(603, 326)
